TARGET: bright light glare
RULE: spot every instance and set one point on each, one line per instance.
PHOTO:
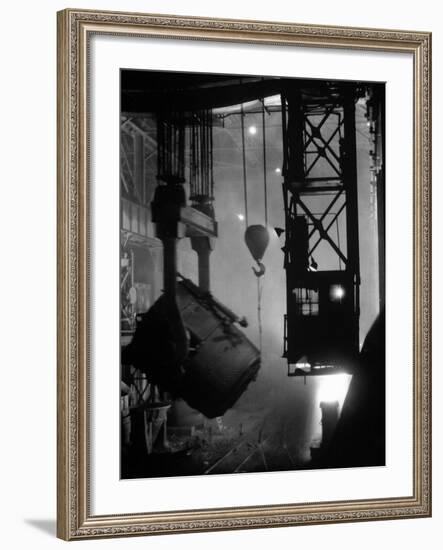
(278, 170)
(240, 217)
(252, 130)
(337, 292)
(333, 387)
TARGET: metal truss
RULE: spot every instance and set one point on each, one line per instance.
(320, 198)
(138, 153)
(317, 185)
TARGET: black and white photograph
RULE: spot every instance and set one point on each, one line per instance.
(252, 274)
(220, 236)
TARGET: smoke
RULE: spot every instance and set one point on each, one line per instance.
(234, 283)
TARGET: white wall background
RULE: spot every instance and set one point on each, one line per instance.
(28, 322)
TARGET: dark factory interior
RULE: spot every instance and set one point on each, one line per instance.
(251, 274)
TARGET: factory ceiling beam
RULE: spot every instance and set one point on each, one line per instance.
(137, 101)
(148, 91)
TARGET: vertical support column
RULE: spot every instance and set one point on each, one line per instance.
(294, 173)
(139, 167)
(381, 205)
(349, 167)
(203, 246)
(168, 201)
(329, 419)
(169, 267)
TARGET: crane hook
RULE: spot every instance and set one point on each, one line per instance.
(259, 272)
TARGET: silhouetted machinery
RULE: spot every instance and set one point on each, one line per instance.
(188, 342)
(220, 361)
(320, 197)
(321, 251)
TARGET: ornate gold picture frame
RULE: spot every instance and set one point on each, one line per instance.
(76, 517)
